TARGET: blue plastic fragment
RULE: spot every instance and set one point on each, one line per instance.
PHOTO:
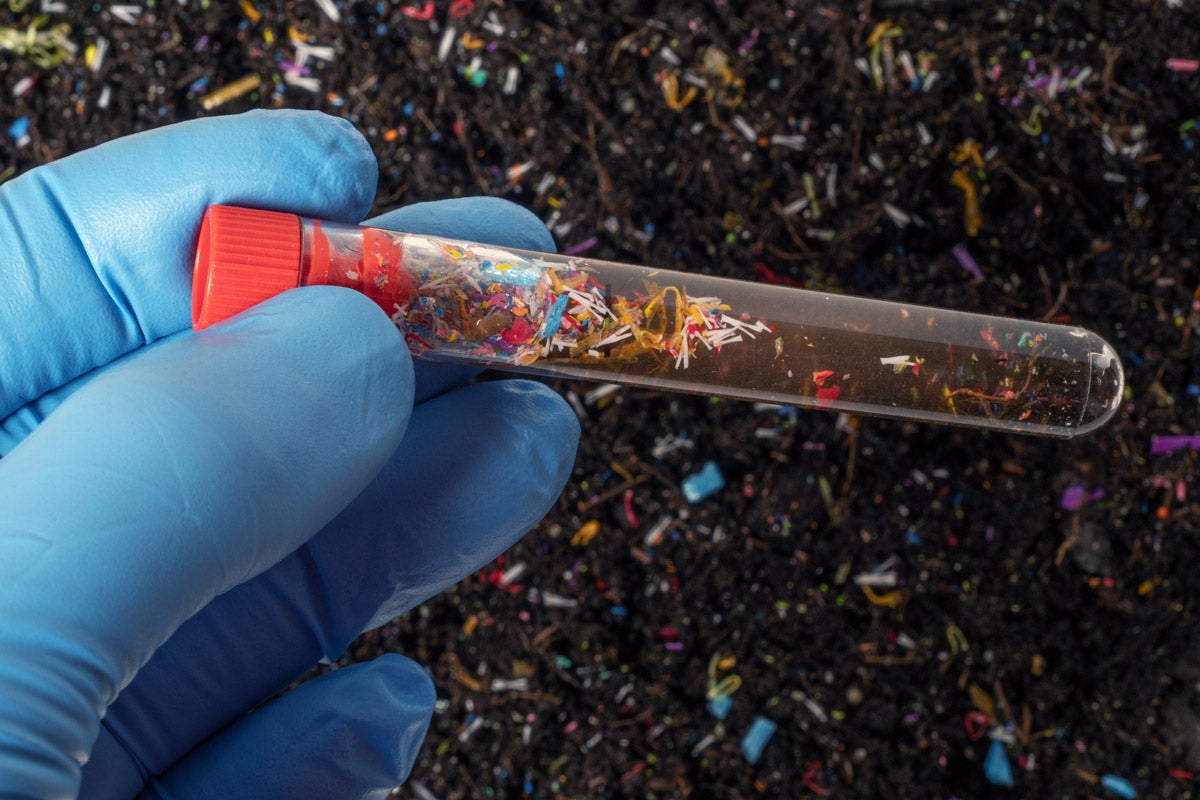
(719, 706)
(1119, 786)
(510, 269)
(707, 481)
(19, 128)
(554, 316)
(996, 767)
(756, 738)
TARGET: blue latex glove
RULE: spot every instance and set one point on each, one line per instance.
(189, 521)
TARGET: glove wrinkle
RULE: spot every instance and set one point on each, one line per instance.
(315, 606)
(116, 738)
(55, 201)
(66, 679)
(18, 246)
(23, 549)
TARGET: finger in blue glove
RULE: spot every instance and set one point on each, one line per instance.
(164, 482)
(477, 468)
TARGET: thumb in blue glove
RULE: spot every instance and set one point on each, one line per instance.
(187, 522)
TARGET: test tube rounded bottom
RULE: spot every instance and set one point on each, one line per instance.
(565, 317)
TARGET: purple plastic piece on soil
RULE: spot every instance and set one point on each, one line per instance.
(1167, 444)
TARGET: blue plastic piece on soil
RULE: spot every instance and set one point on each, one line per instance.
(707, 481)
(1119, 786)
(996, 767)
(19, 128)
(756, 738)
(719, 706)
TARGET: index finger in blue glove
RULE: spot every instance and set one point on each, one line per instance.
(96, 249)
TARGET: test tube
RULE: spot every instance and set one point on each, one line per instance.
(566, 317)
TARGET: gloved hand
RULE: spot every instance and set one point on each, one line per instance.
(189, 521)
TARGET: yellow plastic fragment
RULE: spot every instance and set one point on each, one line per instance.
(725, 87)
(724, 687)
(252, 13)
(45, 48)
(881, 50)
(972, 217)
(880, 30)
(620, 470)
(957, 639)
(890, 600)
(583, 537)
(982, 701)
(946, 393)
(1033, 125)
(969, 150)
(230, 91)
(463, 677)
(670, 90)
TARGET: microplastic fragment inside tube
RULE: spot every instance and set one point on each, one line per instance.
(567, 317)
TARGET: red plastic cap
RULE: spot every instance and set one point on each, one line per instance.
(244, 257)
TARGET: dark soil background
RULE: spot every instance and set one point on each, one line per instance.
(1045, 591)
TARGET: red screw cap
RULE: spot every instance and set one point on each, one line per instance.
(244, 257)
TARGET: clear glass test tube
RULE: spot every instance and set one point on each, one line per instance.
(567, 317)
